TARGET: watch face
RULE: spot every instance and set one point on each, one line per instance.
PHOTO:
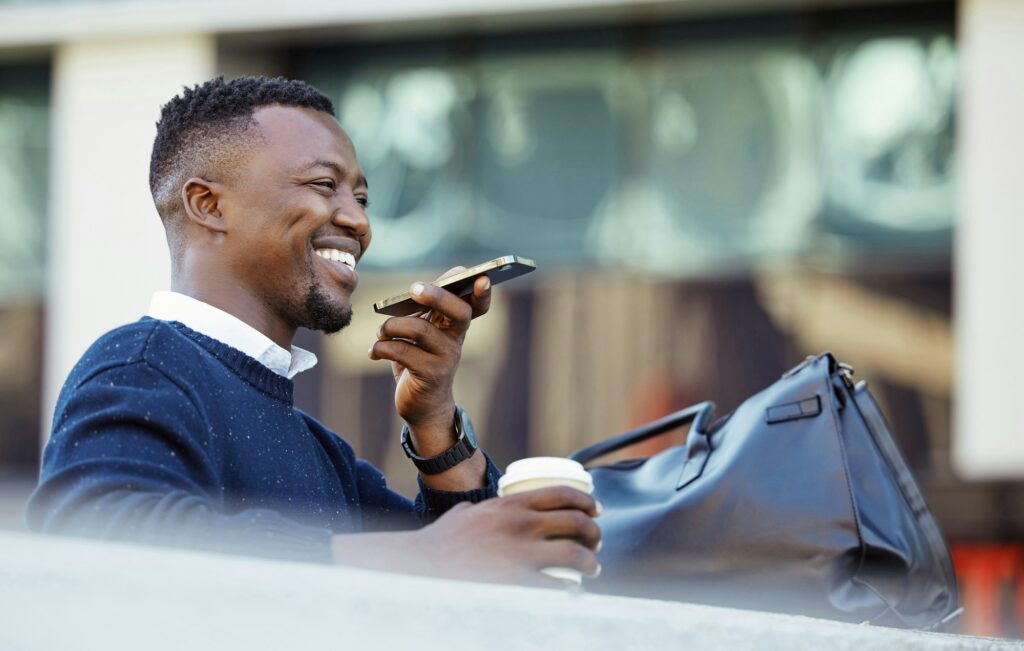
(467, 429)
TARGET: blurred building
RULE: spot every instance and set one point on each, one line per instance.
(712, 191)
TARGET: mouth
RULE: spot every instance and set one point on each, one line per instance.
(334, 255)
(341, 263)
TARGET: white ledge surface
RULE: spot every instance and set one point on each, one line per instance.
(62, 593)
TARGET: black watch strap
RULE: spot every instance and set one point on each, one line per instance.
(463, 449)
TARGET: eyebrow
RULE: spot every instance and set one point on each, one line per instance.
(331, 165)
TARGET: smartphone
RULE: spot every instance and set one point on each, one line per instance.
(498, 270)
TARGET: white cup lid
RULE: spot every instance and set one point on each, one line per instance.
(546, 468)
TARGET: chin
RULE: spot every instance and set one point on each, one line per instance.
(325, 314)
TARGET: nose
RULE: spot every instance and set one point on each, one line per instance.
(353, 218)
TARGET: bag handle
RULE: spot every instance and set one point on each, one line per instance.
(700, 415)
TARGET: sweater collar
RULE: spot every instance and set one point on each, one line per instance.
(228, 329)
(242, 365)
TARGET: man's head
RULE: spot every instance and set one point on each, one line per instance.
(259, 188)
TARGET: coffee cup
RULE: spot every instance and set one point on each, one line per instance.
(543, 472)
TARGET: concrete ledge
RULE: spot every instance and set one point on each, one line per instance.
(49, 22)
(58, 593)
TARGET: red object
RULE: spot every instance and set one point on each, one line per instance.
(990, 575)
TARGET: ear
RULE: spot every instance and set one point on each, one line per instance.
(201, 200)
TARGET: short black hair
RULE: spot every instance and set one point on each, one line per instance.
(199, 130)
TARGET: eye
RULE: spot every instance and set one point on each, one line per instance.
(325, 183)
(363, 201)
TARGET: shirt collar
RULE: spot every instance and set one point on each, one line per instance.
(229, 329)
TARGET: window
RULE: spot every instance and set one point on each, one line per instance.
(24, 161)
(697, 149)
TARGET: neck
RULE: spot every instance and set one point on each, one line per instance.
(218, 289)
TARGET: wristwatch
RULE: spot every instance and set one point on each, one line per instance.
(465, 446)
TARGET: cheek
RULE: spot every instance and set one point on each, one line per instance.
(298, 221)
(268, 253)
(288, 234)
(278, 230)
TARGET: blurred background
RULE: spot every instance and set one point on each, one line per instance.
(711, 190)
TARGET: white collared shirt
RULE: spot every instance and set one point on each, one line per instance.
(228, 329)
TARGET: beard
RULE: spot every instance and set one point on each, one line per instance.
(308, 304)
(323, 314)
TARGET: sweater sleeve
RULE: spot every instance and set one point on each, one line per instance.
(128, 460)
(383, 509)
(436, 502)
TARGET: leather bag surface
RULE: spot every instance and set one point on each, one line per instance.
(798, 502)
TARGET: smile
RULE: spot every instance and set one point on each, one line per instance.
(334, 255)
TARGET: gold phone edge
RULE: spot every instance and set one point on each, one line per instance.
(496, 262)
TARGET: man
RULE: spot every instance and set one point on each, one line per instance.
(179, 429)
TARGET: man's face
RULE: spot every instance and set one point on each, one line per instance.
(296, 210)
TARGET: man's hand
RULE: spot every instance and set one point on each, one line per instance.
(503, 540)
(424, 351)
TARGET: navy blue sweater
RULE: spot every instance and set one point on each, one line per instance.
(166, 436)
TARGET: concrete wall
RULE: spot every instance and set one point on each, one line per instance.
(71, 594)
(41, 23)
(107, 250)
(989, 299)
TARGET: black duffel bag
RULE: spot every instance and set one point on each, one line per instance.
(798, 502)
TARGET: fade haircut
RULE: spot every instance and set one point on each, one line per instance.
(207, 129)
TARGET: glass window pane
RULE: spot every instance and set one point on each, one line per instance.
(24, 165)
(24, 139)
(682, 150)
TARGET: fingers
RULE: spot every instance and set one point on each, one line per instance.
(559, 497)
(415, 330)
(409, 355)
(480, 299)
(570, 524)
(568, 553)
(508, 541)
(442, 302)
(427, 314)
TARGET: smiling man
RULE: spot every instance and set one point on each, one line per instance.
(179, 429)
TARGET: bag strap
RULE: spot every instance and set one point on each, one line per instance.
(700, 415)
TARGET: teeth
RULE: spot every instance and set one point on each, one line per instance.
(335, 255)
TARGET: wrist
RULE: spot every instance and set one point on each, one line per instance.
(435, 433)
(443, 454)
